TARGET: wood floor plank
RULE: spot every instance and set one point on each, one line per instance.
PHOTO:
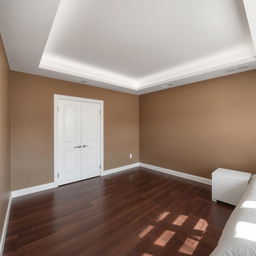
(136, 212)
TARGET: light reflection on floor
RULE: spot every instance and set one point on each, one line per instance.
(162, 216)
(201, 225)
(189, 244)
(146, 231)
(164, 238)
(180, 220)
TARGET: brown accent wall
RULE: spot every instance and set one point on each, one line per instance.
(200, 127)
(32, 126)
(194, 129)
(4, 135)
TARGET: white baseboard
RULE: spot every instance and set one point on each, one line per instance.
(5, 226)
(43, 187)
(30, 190)
(120, 169)
(26, 191)
(177, 173)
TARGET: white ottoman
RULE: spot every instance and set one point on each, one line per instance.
(229, 185)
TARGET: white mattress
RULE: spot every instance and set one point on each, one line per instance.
(239, 235)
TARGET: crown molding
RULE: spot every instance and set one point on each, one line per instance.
(99, 77)
(158, 81)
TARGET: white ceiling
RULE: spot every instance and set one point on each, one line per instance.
(128, 45)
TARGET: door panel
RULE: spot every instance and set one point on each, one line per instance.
(71, 161)
(91, 157)
(69, 137)
(91, 123)
(71, 122)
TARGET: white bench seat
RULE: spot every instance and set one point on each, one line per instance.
(239, 235)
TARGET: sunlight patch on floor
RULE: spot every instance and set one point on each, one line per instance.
(164, 238)
(162, 216)
(180, 220)
(146, 231)
(201, 225)
(188, 246)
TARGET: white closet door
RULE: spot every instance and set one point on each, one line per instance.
(69, 141)
(91, 141)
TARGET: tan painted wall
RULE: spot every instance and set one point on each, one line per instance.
(4, 135)
(193, 129)
(200, 127)
(32, 126)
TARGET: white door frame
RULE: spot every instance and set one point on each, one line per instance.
(58, 97)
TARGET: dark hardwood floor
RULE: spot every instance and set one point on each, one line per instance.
(136, 212)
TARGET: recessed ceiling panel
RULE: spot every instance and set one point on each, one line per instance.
(130, 41)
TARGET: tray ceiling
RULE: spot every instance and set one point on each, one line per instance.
(133, 46)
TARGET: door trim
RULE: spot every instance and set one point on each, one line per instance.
(58, 97)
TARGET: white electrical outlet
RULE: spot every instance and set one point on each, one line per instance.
(130, 156)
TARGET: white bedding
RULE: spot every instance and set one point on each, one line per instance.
(239, 235)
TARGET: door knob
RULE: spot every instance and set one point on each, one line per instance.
(85, 146)
(79, 146)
